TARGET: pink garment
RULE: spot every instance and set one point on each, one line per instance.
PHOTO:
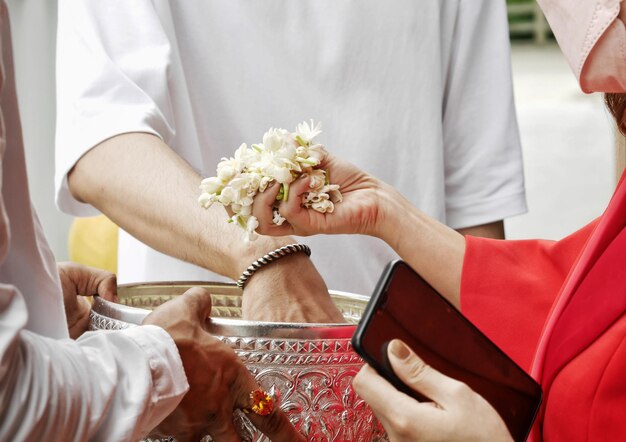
(592, 36)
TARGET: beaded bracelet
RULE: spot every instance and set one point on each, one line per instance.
(271, 256)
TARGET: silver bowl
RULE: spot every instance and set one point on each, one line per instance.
(308, 368)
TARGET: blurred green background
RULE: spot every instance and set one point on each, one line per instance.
(526, 22)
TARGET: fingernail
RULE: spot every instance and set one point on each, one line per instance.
(399, 349)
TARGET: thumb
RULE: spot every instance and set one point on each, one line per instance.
(418, 375)
(107, 286)
(199, 300)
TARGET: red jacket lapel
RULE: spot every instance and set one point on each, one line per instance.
(590, 299)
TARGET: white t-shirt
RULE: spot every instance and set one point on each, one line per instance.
(104, 386)
(418, 93)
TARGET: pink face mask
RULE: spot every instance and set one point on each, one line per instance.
(592, 36)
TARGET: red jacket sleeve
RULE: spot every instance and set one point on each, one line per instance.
(508, 287)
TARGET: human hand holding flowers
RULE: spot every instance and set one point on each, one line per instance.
(362, 210)
(281, 158)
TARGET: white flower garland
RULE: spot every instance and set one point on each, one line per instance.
(282, 157)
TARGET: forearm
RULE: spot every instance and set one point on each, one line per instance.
(434, 250)
(149, 191)
(494, 230)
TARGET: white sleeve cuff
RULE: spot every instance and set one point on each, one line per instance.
(168, 373)
(469, 214)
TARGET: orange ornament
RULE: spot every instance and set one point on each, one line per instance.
(262, 403)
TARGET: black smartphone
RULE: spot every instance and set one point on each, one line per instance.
(406, 307)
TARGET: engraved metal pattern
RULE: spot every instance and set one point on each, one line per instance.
(100, 322)
(307, 368)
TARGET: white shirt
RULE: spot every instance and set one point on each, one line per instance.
(418, 93)
(105, 386)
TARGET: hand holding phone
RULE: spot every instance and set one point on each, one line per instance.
(405, 307)
(460, 414)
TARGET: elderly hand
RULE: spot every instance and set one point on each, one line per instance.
(360, 211)
(456, 414)
(78, 281)
(219, 382)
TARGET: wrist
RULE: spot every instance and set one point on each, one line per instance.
(289, 290)
(280, 273)
(408, 228)
(269, 258)
(229, 255)
(248, 252)
(433, 249)
(393, 213)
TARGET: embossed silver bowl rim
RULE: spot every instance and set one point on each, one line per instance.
(226, 306)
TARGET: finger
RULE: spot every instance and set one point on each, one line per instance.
(384, 399)
(418, 375)
(263, 210)
(293, 206)
(78, 317)
(90, 281)
(107, 288)
(199, 301)
(267, 198)
(276, 425)
(377, 397)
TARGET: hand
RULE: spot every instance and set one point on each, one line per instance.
(289, 290)
(78, 281)
(457, 413)
(364, 197)
(219, 383)
(293, 290)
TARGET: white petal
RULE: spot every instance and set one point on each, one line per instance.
(211, 185)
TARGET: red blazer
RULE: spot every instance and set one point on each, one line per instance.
(557, 308)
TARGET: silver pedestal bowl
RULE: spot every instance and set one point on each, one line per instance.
(308, 368)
